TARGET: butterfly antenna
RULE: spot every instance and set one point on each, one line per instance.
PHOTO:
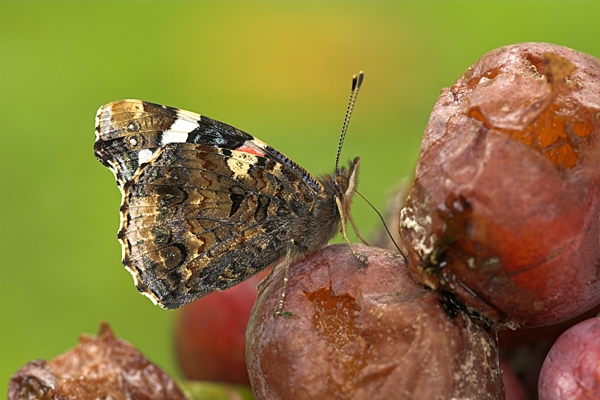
(356, 83)
(384, 224)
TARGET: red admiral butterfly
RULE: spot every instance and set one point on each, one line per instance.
(205, 205)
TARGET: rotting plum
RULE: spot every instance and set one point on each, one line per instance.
(101, 367)
(504, 209)
(365, 332)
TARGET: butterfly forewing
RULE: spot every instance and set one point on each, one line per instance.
(205, 205)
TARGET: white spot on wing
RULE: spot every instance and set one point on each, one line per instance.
(188, 116)
(173, 137)
(185, 123)
(103, 120)
(144, 156)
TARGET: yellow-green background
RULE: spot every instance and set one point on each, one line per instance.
(278, 70)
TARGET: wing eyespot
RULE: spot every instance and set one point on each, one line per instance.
(136, 142)
(132, 127)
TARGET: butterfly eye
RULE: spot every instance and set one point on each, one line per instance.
(342, 182)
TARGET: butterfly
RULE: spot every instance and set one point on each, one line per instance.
(206, 206)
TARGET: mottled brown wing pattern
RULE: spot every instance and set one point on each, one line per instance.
(205, 205)
(192, 225)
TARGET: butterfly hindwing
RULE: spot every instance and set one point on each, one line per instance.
(205, 205)
(211, 229)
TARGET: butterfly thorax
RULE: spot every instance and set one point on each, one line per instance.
(323, 222)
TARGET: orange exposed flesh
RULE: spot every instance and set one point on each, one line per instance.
(505, 206)
(364, 332)
(559, 140)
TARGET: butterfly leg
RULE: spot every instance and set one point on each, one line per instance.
(360, 258)
(286, 273)
(356, 230)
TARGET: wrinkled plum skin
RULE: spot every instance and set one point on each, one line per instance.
(365, 332)
(504, 209)
(100, 367)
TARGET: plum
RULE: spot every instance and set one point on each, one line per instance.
(572, 367)
(210, 334)
(102, 367)
(365, 332)
(513, 387)
(505, 205)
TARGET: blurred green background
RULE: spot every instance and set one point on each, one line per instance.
(278, 70)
